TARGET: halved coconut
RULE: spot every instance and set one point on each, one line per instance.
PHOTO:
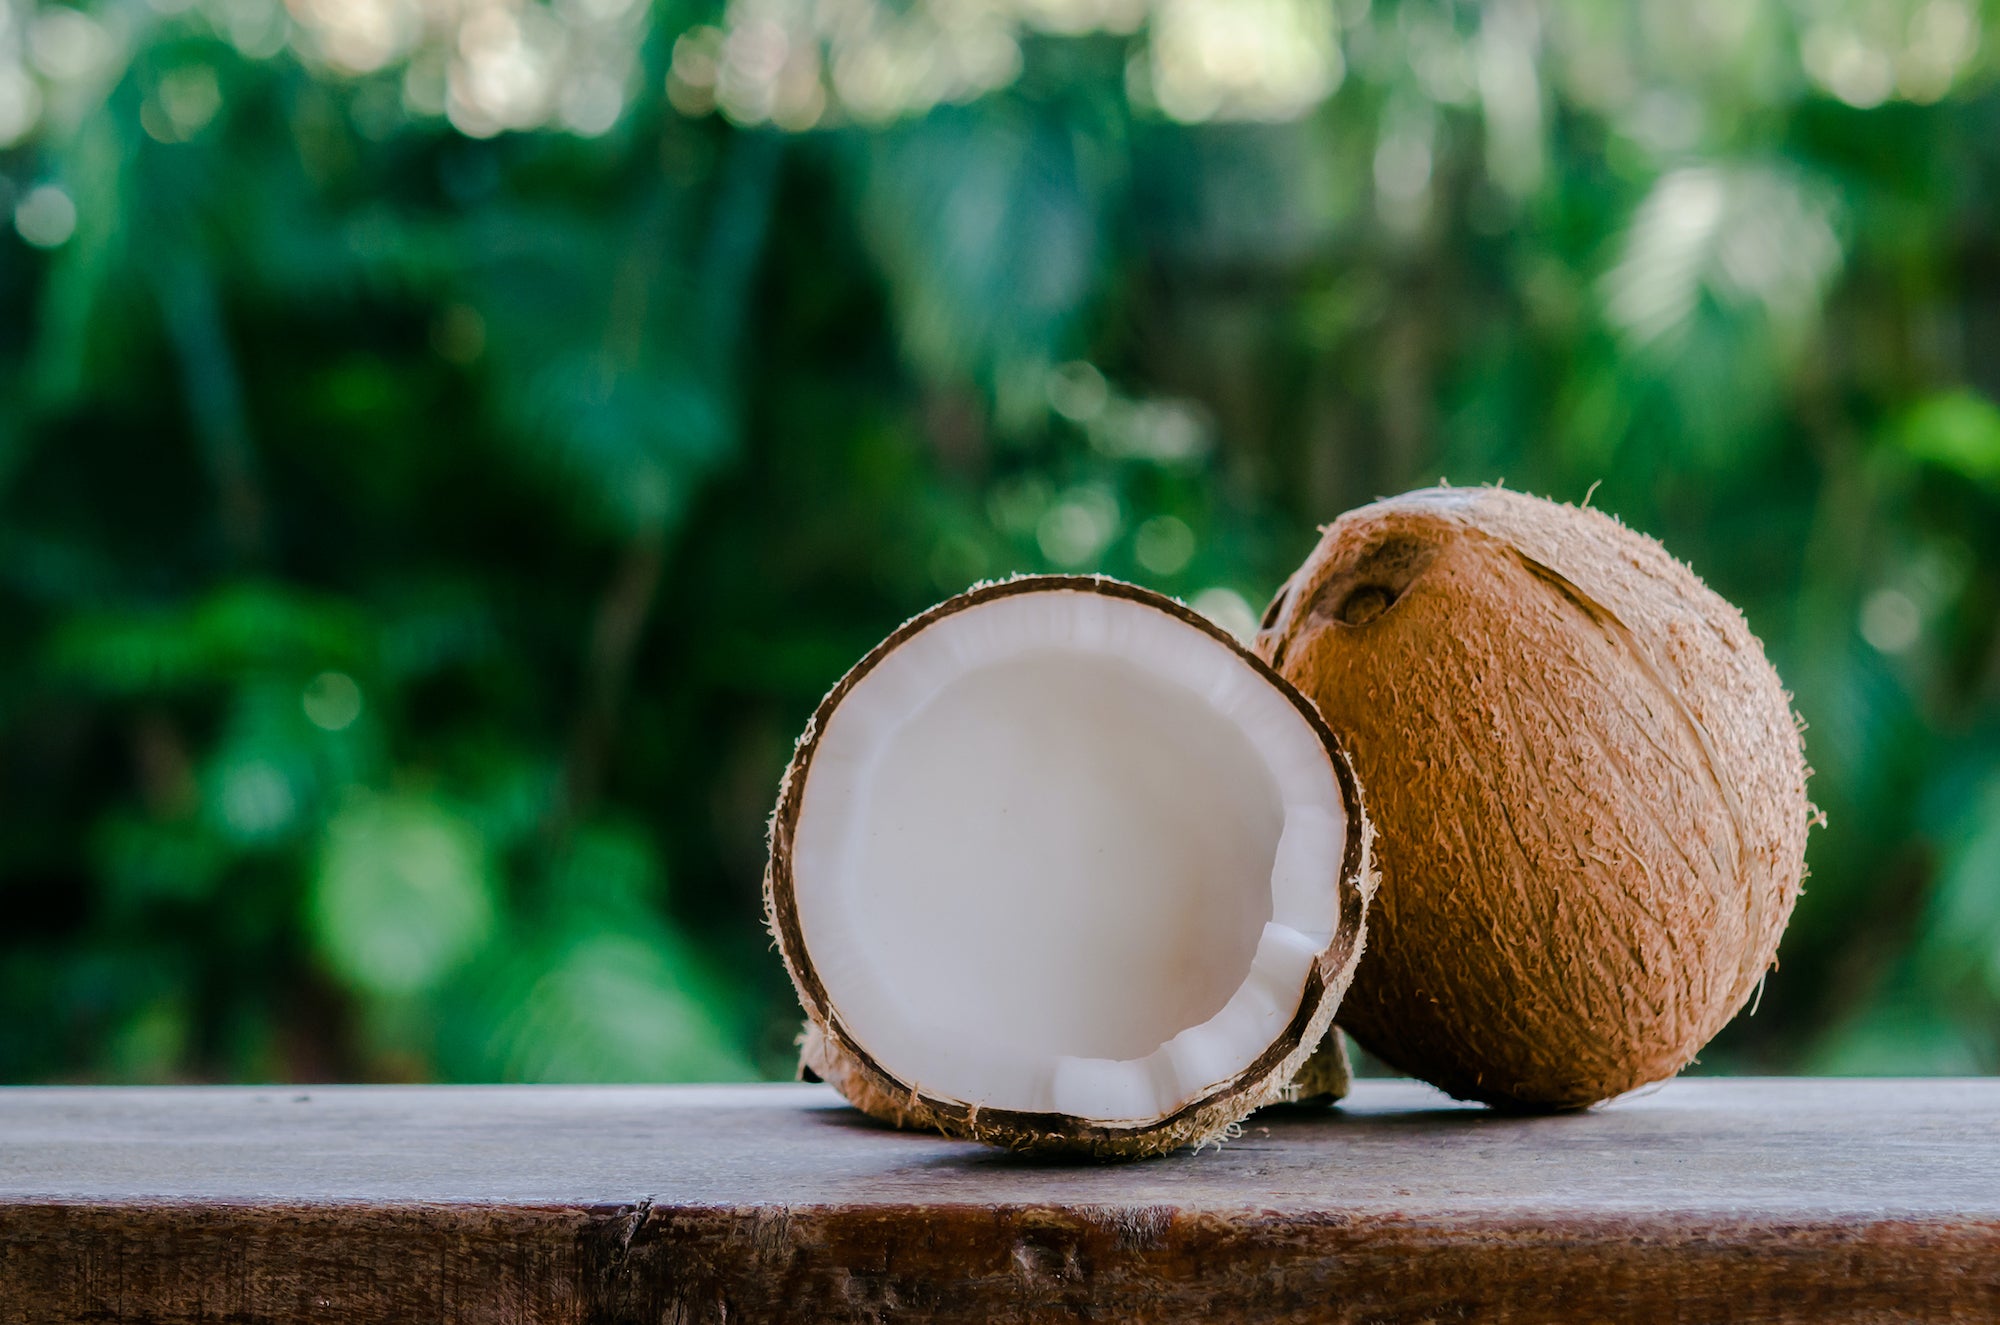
(1060, 865)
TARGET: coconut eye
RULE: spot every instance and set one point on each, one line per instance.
(1365, 604)
(1365, 586)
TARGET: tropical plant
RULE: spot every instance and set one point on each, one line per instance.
(447, 447)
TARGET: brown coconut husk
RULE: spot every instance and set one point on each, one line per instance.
(1589, 784)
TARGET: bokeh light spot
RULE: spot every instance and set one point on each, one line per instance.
(1228, 609)
(1890, 621)
(67, 44)
(1074, 530)
(1077, 391)
(332, 701)
(256, 800)
(1164, 545)
(46, 218)
(20, 104)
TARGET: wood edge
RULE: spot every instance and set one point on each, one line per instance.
(649, 1261)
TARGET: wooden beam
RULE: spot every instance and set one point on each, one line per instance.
(1707, 1200)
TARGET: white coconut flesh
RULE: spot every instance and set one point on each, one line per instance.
(1065, 852)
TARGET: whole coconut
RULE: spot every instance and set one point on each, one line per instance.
(1587, 779)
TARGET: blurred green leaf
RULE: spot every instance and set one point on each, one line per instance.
(616, 1006)
(152, 1044)
(235, 628)
(1961, 936)
(1902, 1035)
(609, 870)
(144, 861)
(1958, 431)
(402, 894)
(986, 226)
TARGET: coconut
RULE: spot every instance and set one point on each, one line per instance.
(1588, 781)
(1060, 865)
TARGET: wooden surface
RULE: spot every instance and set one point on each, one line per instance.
(1704, 1201)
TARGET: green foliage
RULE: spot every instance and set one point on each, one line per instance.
(1959, 432)
(446, 450)
(400, 895)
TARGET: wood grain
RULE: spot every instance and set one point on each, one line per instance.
(1705, 1201)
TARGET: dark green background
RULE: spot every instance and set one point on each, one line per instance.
(429, 508)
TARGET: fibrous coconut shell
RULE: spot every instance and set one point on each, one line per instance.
(1589, 785)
